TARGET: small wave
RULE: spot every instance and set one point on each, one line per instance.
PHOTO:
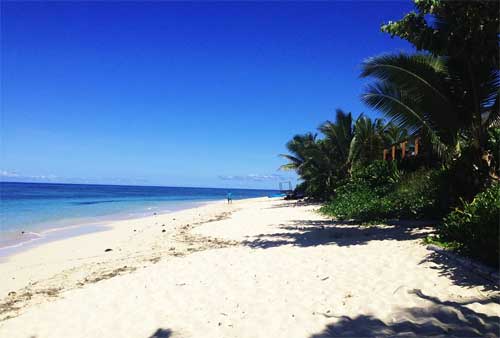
(67, 227)
(36, 234)
(23, 241)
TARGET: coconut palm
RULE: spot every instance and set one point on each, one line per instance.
(462, 37)
(394, 135)
(312, 159)
(340, 132)
(325, 163)
(451, 91)
(411, 91)
(299, 147)
(368, 141)
(322, 163)
(338, 135)
(429, 95)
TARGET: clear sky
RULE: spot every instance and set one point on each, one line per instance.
(182, 94)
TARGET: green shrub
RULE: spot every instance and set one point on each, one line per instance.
(356, 202)
(380, 176)
(361, 197)
(493, 145)
(475, 226)
(380, 192)
(417, 195)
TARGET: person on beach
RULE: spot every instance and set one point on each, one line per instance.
(229, 198)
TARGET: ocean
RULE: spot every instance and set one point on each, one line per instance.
(31, 211)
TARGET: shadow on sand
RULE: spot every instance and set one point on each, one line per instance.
(457, 273)
(161, 333)
(308, 233)
(292, 203)
(439, 319)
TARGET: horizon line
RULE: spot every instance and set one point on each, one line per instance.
(131, 185)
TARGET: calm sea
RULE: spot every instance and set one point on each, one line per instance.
(29, 210)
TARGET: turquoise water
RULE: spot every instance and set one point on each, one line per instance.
(27, 210)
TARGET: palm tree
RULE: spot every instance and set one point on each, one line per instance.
(429, 95)
(310, 158)
(410, 90)
(340, 132)
(299, 148)
(325, 163)
(338, 135)
(321, 164)
(368, 142)
(458, 75)
(394, 135)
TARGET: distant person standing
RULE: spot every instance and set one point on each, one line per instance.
(229, 198)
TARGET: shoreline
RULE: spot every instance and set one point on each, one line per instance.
(78, 226)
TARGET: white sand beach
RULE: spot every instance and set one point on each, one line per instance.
(257, 268)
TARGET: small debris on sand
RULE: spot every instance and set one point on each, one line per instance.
(108, 250)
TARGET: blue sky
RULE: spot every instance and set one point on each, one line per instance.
(182, 94)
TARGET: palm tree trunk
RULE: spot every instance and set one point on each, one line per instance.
(478, 131)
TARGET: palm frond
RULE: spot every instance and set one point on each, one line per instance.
(404, 111)
(339, 133)
(416, 72)
(423, 79)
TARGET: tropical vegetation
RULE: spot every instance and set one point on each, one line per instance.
(446, 94)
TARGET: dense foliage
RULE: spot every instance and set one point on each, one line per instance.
(447, 95)
(346, 146)
(450, 92)
(356, 200)
(381, 191)
(475, 226)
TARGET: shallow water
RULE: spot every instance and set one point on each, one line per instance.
(29, 211)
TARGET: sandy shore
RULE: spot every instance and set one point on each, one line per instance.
(256, 268)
